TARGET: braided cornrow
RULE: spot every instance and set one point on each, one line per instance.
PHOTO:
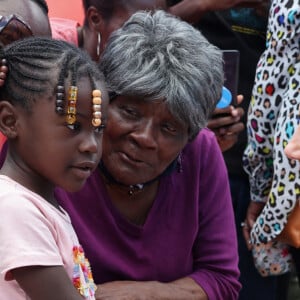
(36, 66)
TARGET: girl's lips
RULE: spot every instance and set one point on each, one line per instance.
(85, 165)
(82, 173)
(84, 169)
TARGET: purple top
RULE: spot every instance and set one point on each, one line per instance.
(189, 231)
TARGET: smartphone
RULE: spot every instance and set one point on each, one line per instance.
(231, 61)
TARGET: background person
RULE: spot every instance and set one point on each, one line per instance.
(273, 117)
(101, 18)
(156, 216)
(33, 20)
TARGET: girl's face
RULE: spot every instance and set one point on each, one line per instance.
(51, 150)
(141, 140)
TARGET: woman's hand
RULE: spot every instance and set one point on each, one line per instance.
(253, 211)
(226, 124)
(185, 288)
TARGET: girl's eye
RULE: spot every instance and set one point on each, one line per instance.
(100, 128)
(76, 126)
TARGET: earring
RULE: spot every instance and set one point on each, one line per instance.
(98, 45)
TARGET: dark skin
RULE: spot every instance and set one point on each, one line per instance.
(141, 139)
(32, 138)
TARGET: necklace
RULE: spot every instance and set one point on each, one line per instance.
(132, 189)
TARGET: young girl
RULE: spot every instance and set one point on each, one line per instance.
(53, 118)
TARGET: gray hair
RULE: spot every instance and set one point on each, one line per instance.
(157, 56)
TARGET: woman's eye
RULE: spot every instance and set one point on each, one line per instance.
(130, 112)
(76, 126)
(169, 128)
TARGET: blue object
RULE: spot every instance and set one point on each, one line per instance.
(225, 99)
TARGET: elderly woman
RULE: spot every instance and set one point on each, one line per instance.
(156, 217)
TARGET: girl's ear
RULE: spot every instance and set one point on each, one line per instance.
(8, 120)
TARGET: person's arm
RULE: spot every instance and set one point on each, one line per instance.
(215, 270)
(184, 288)
(192, 10)
(272, 118)
(46, 283)
(271, 84)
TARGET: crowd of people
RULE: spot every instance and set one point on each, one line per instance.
(120, 179)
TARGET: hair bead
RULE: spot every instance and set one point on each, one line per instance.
(60, 100)
(96, 106)
(3, 71)
(71, 109)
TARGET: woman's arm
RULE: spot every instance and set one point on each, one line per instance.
(46, 283)
(184, 288)
(273, 81)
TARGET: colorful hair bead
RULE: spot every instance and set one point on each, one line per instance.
(71, 108)
(96, 105)
(60, 100)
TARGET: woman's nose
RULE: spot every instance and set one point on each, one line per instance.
(146, 135)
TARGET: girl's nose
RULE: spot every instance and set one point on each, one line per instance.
(91, 143)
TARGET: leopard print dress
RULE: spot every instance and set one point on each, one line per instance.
(272, 119)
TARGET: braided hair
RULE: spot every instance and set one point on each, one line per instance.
(37, 66)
